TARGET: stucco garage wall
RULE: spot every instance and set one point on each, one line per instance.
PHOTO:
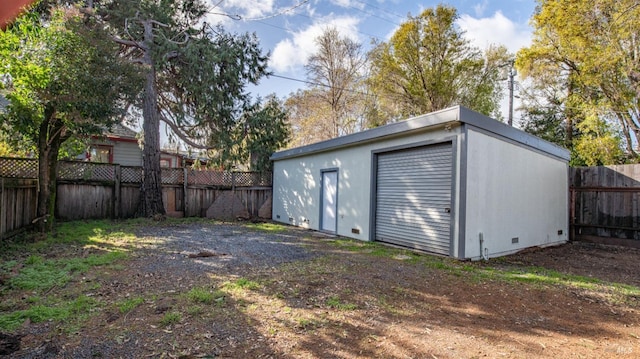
(296, 183)
(512, 192)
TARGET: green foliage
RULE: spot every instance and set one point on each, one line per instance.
(428, 65)
(546, 122)
(60, 70)
(63, 79)
(199, 75)
(582, 61)
(261, 130)
(597, 145)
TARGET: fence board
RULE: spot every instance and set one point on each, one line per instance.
(129, 200)
(606, 202)
(17, 204)
(84, 201)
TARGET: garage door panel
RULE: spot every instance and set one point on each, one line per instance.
(413, 206)
(416, 219)
(394, 165)
(441, 226)
(413, 195)
(436, 163)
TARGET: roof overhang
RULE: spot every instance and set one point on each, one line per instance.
(457, 115)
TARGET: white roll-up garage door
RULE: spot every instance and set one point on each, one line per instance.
(413, 198)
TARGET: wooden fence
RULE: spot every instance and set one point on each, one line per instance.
(99, 190)
(17, 204)
(605, 204)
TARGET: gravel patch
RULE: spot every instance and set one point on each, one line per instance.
(226, 247)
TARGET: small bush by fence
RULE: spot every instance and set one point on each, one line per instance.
(101, 190)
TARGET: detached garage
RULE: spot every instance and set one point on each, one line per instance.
(452, 182)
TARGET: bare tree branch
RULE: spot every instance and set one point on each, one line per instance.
(129, 43)
(178, 132)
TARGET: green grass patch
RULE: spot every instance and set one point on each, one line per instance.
(129, 304)
(195, 310)
(77, 309)
(353, 245)
(532, 275)
(43, 274)
(267, 227)
(104, 234)
(241, 283)
(335, 302)
(40, 275)
(171, 318)
(200, 295)
(375, 249)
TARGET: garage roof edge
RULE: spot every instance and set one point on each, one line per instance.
(423, 122)
(486, 123)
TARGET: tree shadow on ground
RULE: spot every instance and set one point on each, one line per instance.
(292, 295)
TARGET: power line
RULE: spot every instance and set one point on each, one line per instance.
(320, 84)
(383, 10)
(271, 25)
(374, 15)
(281, 12)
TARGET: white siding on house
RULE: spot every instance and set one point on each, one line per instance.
(127, 153)
(513, 192)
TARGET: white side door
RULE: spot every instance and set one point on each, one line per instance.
(329, 201)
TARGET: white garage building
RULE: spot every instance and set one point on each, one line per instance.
(452, 182)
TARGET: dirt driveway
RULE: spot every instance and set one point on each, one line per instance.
(211, 290)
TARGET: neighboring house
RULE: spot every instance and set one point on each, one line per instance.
(452, 182)
(118, 145)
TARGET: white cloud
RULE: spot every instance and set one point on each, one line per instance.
(294, 52)
(480, 8)
(498, 29)
(348, 3)
(250, 9)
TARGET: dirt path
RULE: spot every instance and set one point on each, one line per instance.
(297, 295)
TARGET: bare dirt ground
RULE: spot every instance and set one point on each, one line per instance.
(295, 294)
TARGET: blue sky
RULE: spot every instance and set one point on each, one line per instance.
(287, 28)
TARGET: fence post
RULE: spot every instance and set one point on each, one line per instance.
(572, 214)
(116, 190)
(185, 185)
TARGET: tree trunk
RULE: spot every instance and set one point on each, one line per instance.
(49, 141)
(151, 192)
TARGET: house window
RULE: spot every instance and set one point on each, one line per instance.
(102, 154)
(165, 162)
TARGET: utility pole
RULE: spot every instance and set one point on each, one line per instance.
(512, 75)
